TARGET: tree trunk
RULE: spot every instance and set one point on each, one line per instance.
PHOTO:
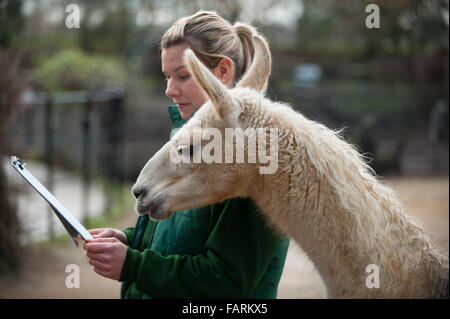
(11, 85)
(9, 232)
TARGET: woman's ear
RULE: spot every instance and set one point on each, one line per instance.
(224, 71)
(216, 91)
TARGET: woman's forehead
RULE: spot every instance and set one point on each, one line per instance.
(172, 58)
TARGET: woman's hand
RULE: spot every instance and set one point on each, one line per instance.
(107, 255)
(109, 233)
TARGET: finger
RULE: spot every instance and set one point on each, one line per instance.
(103, 240)
(102, 272)
(98, 256)
(97, 247)
(98, 264)
(104, 234)
(94, 231)
(87, 243)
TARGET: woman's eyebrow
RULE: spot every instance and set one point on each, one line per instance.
(178, 68)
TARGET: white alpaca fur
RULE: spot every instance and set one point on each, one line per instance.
(323, 195)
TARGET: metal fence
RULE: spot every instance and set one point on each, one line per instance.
(404, 130)
(81, 131)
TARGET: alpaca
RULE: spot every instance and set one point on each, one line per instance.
(323, 195)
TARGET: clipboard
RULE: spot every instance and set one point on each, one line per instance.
(70, 223)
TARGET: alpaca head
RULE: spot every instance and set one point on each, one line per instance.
(198, 166)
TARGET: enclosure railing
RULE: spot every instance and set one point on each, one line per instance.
(47, 128)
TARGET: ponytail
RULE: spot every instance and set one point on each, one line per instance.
(245, 33)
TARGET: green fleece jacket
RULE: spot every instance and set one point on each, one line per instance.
(222, 250)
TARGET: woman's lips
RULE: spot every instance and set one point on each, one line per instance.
(182, 105)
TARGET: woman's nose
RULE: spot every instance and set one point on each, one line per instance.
(171, 90)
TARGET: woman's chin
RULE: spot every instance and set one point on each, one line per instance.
(185, 115)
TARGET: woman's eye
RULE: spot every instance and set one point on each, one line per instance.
(184, 77)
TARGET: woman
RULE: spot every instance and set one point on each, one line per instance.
(223, 250)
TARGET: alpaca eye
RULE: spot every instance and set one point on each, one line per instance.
(186, 150)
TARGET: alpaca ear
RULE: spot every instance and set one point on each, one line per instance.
(217, 92)
(257, 76)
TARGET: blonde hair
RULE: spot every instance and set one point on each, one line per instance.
(212, 38)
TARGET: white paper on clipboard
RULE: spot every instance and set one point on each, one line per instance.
(72, 225)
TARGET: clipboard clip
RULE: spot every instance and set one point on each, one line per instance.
(15, 161)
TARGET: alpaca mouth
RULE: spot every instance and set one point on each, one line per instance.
(154, 208)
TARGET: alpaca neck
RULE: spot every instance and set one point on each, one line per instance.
(322, 229)
(324, 197)
(303, 205)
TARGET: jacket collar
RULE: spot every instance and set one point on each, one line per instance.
(175, 116)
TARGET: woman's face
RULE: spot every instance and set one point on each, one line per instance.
(181, 86)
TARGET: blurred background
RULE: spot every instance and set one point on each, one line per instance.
(85, 109)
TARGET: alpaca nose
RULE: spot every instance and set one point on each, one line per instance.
(139, 191)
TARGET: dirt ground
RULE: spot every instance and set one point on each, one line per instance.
(43, 274)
